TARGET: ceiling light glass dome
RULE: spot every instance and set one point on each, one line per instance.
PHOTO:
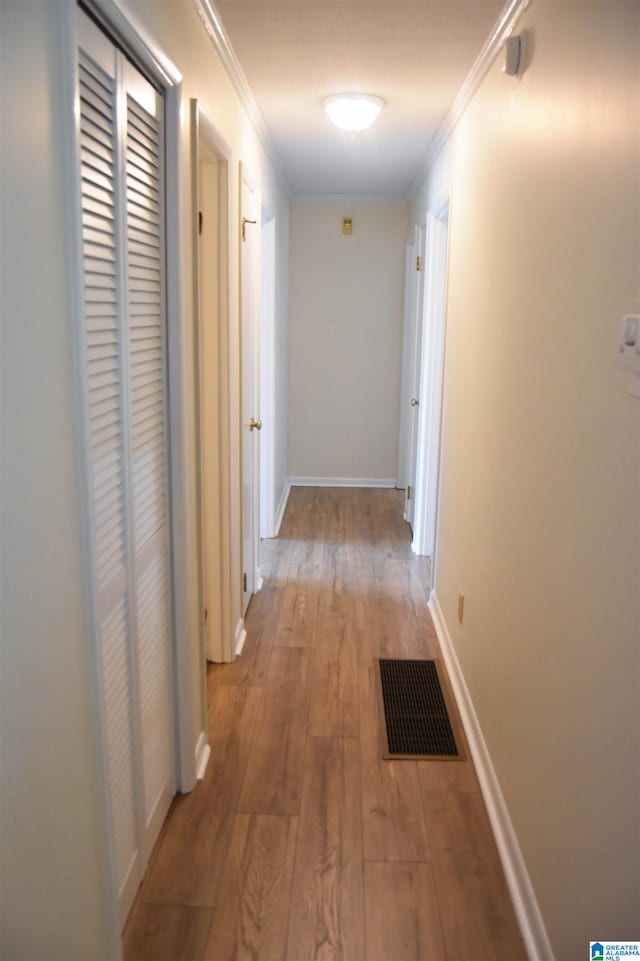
(353, 111)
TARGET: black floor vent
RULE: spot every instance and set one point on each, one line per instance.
(416, 718)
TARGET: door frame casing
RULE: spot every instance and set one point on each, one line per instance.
(209, 149)
(403, 430)
(251, 363)
(267, 353)
(432, 385)
(414, 370)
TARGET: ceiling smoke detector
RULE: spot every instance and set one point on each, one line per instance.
(353, 111)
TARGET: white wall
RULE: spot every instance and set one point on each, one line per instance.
(54, 874)
(345, 340)
(540, 495)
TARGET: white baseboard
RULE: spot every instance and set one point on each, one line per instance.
(342, 481)
(203, 753)
(259, 581)
(241, 636)
(281, 508)
(532, 926)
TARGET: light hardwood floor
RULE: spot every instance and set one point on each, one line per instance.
(301, 842)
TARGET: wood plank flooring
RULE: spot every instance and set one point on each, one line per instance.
(301, 843)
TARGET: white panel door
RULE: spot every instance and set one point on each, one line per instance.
(120, 139)
(428, 458)
(413, 400)
(410, 274)
(251, 423)
(267, 375)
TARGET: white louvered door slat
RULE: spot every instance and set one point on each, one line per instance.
(120, 141)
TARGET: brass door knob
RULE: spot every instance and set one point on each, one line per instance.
(255, 423)
(414, 401)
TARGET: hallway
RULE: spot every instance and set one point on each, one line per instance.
(301, 842)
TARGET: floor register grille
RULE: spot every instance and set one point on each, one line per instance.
(416, 718)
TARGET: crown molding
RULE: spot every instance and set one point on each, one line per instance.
(352, 200)
(503, 28)
(212, 23)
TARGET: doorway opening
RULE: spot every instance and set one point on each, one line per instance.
(267, 367)
(412, 381)
(431, 387)
(210, 170)
(251, 423)
(403, 430)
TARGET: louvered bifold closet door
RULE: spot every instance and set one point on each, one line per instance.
(149, 438)
(104, 387)
(120, 142)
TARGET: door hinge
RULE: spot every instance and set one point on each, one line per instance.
(418, 263)
(244, 582)
(409, 493)
(200, 222)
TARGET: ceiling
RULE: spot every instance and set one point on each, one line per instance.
(415, 54)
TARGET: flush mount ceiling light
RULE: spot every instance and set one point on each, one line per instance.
(353, 111)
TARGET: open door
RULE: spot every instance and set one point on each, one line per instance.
(210, 216)
(249, 347)
(267, 368)
(403, 429)
(412, 396)
(432, 382)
